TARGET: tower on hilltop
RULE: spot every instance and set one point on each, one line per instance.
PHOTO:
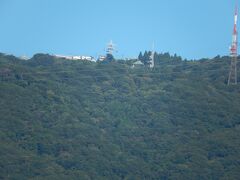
(152, 64)
(232, 78)
(109, 51)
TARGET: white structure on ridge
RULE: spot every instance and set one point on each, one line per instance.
(137, 64)
(86, 58)
(111, 47)
(24, 57)
(152, 57)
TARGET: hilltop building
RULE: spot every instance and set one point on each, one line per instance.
(76, 58)
(137, 64)
(24, 57)
(101, 58)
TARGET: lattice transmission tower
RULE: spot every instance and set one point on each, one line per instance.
(232, 77)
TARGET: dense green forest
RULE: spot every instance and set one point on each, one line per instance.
(63, 119)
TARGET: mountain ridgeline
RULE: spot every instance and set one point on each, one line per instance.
(62, 119)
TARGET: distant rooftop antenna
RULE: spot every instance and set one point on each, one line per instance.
(232, 78)
(111, 47)
(152, 64)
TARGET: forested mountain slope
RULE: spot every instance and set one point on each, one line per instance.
(64, 119)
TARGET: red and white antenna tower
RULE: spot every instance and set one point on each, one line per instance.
(232, 78)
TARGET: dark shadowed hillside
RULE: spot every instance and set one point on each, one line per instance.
(64, 119)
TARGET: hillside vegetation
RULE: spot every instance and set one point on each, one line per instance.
(63, 119)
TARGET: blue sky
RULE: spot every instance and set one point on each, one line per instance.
(191, 28)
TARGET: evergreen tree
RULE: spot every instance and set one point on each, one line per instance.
(109, 58)
(140, 56)
(146, 58)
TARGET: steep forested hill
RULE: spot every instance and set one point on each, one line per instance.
(64, 119)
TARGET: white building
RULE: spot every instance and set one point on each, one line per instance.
(24, 57)
(137, 64)
(101, 58)
(77, 58)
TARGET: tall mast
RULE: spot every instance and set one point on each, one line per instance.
(110, 47)
(152, 64)
(232, 78)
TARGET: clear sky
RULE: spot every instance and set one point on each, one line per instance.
(190, 28)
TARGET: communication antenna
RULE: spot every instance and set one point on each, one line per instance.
(232, 77)
(152, 64)
(111, 48)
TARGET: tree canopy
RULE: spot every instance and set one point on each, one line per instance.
(64, 119)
